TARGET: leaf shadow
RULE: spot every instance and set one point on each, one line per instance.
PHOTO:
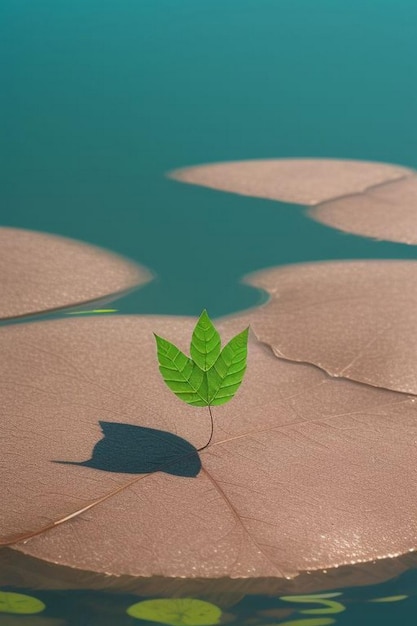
(129, 449)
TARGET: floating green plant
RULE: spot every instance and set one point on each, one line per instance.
(19, 603)
(176, 612)
(326, 605)
(92, 311)
(211, 376)
(315, 621)
(389, 599)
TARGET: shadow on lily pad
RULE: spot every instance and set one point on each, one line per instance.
(140, 450)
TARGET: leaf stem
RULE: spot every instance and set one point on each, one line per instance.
(212, 429)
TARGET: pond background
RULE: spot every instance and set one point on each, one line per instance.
(101, 98)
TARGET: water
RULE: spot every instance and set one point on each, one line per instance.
(101, 99)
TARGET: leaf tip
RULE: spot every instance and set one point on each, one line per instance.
(203, 315)
(159, 340)
(244, 334)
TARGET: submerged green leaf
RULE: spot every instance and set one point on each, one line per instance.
(311, 621)
(211, 377)
(20, 603)
(323, 600)
(176, 611)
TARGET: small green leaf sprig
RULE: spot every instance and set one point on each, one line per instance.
(211, 376)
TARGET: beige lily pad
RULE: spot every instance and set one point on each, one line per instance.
(355, 319)
(372, 199)
(309, 483)
(299, 181)
(41, 272)
(387, 211)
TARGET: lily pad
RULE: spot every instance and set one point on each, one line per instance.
(371, 199)
(41, 272)
(310, 482)
(298, 181)
(355, 319)
(176, 612)
(387, 211)
(20, 603)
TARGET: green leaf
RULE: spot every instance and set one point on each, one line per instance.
(20, 603)
(205, 343)
(226, 375)
(180, 373)
(176, 612)
(211, 377)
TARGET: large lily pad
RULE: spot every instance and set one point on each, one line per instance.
(372, 199)
(41, 272)
(355, 319)
(305, 473)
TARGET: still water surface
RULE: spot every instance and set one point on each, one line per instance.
(102, 98)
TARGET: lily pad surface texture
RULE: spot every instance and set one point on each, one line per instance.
(355, 319)
(310, 482)
(41, 272)
(372, 199)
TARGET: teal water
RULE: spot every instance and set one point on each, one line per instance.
(359, 606)
(102, 98)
